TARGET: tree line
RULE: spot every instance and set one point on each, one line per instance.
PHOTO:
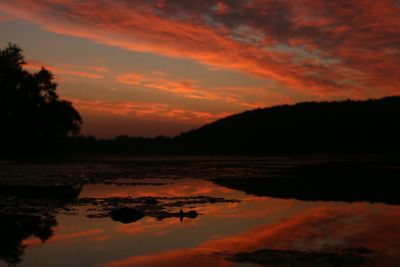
(35, 120)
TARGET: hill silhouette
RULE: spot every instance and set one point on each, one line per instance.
(309, 127)
(34, 119)
(355, 127)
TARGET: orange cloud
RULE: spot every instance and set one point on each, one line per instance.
(130, 78)
(161, 81)
(68, 70)
(146, 110)
(315, 47)
(248, 97)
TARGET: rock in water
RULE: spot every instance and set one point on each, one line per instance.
(191, 214)
(150, 201)
(126, 215)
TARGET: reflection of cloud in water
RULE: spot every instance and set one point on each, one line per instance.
(207, 198)
(358, 225)
(15, 228)
(227, 227)
(170, 188)
(27, 211)
(148, 226)
(67, 238)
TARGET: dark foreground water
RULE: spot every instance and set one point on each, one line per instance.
(59, 214)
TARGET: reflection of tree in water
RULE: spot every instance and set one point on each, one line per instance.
(14, 229)
(347, 180)
(24, 215)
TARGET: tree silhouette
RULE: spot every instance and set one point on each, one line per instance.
(30, 109)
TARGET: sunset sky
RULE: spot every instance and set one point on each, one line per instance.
(160, 67)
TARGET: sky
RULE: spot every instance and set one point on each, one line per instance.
(159, 67)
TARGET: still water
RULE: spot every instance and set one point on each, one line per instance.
(232, 227)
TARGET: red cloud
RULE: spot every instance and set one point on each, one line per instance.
(316, 47)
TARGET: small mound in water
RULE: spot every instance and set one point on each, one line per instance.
(191, 214)
(126, 215)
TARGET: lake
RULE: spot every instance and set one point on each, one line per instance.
(200, 211)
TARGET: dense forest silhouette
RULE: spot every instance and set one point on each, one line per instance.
(35, 120)
(370, 126)
(31, 113)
